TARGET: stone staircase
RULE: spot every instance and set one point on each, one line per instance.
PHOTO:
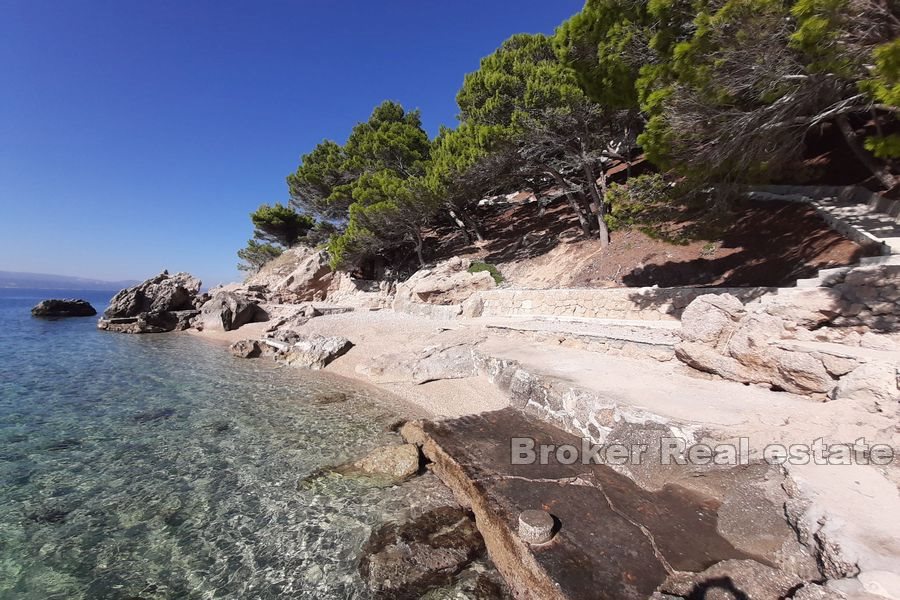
(826, 276)
(856, 213)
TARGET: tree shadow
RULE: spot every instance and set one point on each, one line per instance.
(770, 246)
(724, 583)
(514, 232)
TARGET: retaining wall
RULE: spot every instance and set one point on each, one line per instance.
(652, 304)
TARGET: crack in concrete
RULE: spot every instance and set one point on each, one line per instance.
(576, 480)
(646, 532)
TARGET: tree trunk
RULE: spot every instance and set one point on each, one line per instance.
(597, 204)
(419, 244)
(472, 224)
(582, 220)
(869, 161)
(461, 224)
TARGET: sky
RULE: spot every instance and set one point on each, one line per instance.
(139, 135)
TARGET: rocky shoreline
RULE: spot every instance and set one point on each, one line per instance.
(781, 369)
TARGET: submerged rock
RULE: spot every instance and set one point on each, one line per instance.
(246, 349)
(150, 416)
(398, 462)
(63, 308)
(150, 322)
(403, 561)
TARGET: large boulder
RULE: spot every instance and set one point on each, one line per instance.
(873, 385)
(159, 304)
(63, 308)
(316, 351)
(403, 561)
(163, 293)
(226, 311)
(710, 317)
(309, 280)
(434, 363)
(742, 344)
(757, 343)
(300, 274)
(449, 282)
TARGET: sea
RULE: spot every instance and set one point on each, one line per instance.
(160, 466)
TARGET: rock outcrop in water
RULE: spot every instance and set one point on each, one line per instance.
(63, 308)
(404, 561)
(159, 304)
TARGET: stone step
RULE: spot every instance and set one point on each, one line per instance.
(887, 259)
(812, 282)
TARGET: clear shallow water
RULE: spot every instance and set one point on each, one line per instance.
(158, 466)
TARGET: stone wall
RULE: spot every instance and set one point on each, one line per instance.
(870, 297)
(609, 303)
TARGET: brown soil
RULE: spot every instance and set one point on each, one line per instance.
(754, 244)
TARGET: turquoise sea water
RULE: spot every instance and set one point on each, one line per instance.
(159, 466)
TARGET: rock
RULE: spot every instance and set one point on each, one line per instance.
(638, 534)
(63, 308)
(162, 293)
(705, 358)
(226, 311)
(711, 316)
(872, 385)
(807, 307)
(449, 282)
(397, 462)
(877, 341)
(814, 591)
(403, 561)
(433, 363)
(732, 579)
(747, 350)
(443, 362)
(246, 349)
(473, 306)
(300, 274)
(316, 351)
(837, 366)
(148, 322)
(162, 303)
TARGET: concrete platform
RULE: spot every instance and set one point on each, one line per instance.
(613, 539)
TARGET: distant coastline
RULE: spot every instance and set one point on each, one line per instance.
(45, 281)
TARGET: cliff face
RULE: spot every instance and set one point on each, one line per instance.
(300, 274)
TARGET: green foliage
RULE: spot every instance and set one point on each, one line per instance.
(598, 44)
(884, 146)
(478, 267)
(280, 224)
(523, 74)
(366, 185)
(819, 25)
(257, 254)
(321, 184)
(633, 202)
(884, 86)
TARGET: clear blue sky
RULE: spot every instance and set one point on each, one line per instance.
(137, 136)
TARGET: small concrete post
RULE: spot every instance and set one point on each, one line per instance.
(535, 526)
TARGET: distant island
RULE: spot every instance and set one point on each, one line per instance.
(43, 281)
